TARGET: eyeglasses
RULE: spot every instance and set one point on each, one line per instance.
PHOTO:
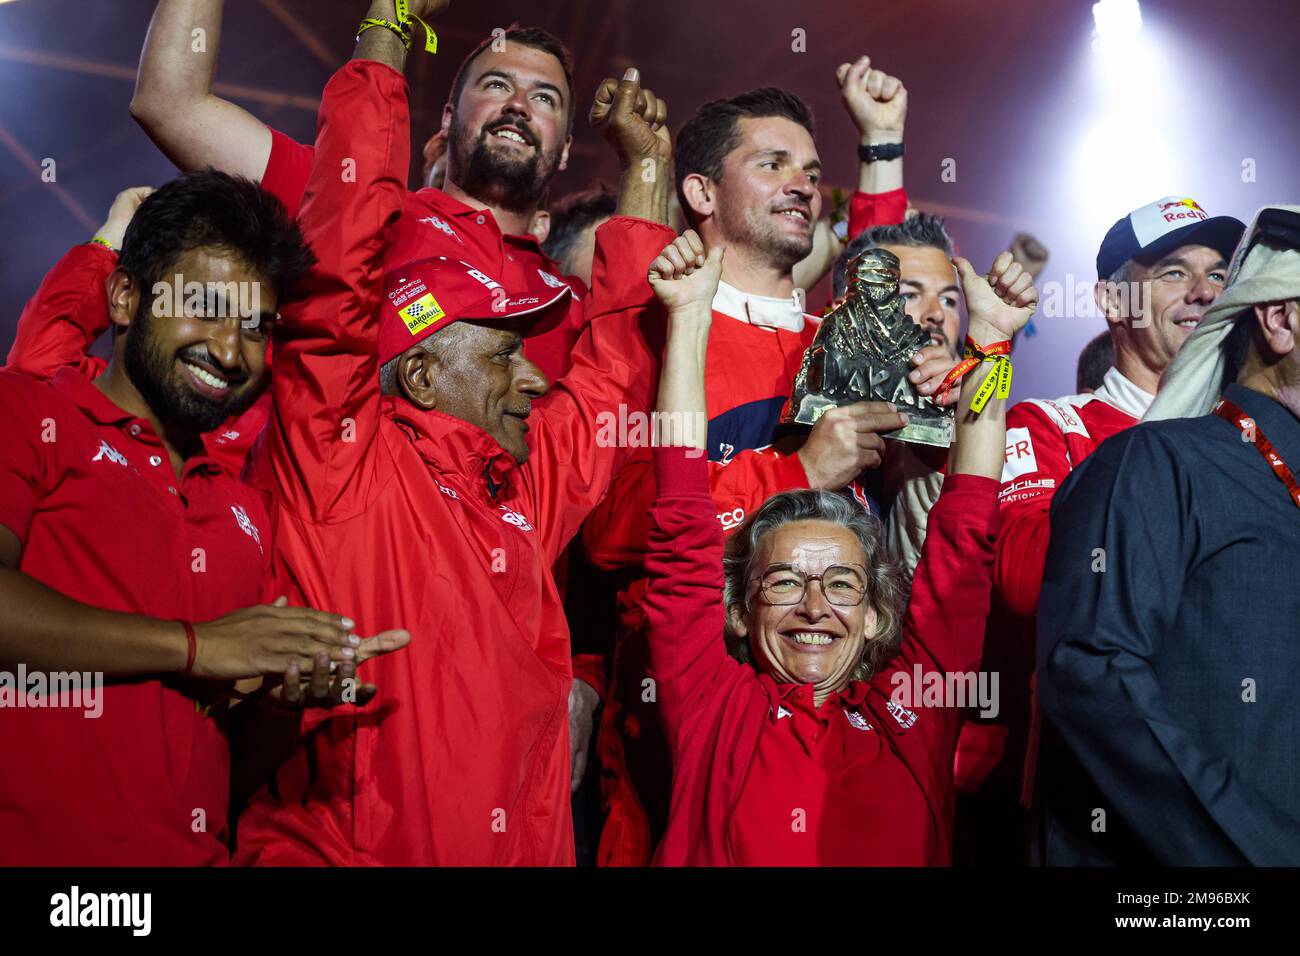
(784, 586)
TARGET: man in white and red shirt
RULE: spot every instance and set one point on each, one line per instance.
(1158, 270)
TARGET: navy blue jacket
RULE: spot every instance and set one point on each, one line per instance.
(1169, 649)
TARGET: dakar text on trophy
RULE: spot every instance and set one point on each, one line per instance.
(863, 352)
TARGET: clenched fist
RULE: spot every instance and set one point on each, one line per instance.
(632, 119)
(845, 441)
(876, 101)
(683, 276)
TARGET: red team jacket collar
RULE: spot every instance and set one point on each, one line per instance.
(851, 696)
(99, 408)
(455, 447)
(454, 207)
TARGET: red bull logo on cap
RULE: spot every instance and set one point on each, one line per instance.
(1182, 209)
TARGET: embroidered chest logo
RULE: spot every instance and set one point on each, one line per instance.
(246, 524)
(229, 436)
(553, 281)
(782, 712)
(442, 226)
(727, 451)
(109, 452)
(449, 492)
(515, 518)
(857, 720)
(901, 714)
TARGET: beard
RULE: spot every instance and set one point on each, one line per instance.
(494, 176)
(159, 382)
(757, 229)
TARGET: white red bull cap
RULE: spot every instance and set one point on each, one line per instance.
(1161, 227)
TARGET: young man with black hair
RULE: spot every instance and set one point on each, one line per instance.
(130, 560)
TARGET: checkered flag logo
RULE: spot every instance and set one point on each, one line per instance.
(416, 311)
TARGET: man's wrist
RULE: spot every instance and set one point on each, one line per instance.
(880, 137)
(869, 154)
(643, 194)
(695, 314)
(984, 333)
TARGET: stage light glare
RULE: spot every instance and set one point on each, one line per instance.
(1117, 23)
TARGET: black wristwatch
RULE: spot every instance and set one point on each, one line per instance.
(879, 151)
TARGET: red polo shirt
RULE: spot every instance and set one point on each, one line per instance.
(103, 518)
(434, 224)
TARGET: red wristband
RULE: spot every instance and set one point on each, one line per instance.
(193, 650)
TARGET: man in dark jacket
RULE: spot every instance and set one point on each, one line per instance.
(1167, 652)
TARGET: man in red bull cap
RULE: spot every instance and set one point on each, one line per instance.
(1158, 269)
(421, 468)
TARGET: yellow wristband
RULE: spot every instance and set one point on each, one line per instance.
(998, 380)
(105, 243)
(405, 16)
(403, 33)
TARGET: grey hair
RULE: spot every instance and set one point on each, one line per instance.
(923, 229)
(887, 588)
(442, 344)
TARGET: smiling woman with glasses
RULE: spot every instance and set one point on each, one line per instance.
(796, 736)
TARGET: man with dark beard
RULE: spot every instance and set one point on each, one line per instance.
(129, 555)
(508, 124)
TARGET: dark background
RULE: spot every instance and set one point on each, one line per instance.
(1047, 135)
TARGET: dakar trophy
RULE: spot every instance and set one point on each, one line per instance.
(863, 352)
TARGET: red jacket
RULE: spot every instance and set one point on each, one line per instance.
(405, 518)
(68, 314)
(724, 721)
(875, 209)
(1046, 440)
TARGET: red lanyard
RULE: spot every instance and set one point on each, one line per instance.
(1250, 432)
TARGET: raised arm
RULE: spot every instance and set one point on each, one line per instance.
(877, 104)
(952, 583)
(69, 311)
(326, 383)
(174, 103)
(683, 603)
(616, 361)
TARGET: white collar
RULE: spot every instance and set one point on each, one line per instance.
(761, 311)
(1119, 391)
